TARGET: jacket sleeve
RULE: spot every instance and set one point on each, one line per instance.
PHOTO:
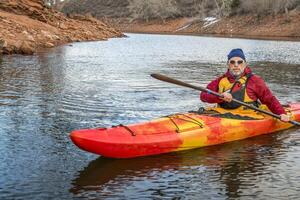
(266, 97)
(209, 98)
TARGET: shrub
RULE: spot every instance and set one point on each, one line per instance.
(153, 9)
(267, 7)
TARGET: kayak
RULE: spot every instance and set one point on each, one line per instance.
(180, 131)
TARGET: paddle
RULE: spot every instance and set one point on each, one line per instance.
(177, 82)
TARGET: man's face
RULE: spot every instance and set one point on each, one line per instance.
(236, 66)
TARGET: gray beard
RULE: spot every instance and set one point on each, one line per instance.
(236, 76)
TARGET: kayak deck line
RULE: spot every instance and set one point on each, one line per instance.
(193, 121)
(127, 128)
(176, 126)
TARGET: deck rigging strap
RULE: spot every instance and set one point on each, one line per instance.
(128, 129)
(194, 121)
(177, 128)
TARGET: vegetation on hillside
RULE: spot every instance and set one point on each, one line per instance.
(266, 7)
(153, 9)
(164, 9)
(98, 8)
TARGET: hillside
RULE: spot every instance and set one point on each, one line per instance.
(121, 8)
(246, 26)
(232, 18)
(28, 25)
(98, 8)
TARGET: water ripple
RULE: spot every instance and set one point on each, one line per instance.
(95, 84)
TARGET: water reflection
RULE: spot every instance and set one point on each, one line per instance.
(223, 171)
(45, 96)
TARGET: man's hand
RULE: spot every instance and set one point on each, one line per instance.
(285, 118)
(227, 97)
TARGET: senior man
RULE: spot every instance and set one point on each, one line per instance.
(239, 83)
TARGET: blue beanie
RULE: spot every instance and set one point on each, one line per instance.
(236, 53)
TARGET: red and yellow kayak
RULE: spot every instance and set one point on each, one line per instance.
(179, 132)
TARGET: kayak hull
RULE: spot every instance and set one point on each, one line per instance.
(177, 132)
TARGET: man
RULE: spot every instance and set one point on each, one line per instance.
(239, 83)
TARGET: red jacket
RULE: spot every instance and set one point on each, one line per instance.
(256, 90)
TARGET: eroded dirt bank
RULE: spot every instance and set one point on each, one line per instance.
(28, 25)
(247, 26)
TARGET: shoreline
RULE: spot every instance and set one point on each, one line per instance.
(245, 26)
(271, 38)
(32, 26)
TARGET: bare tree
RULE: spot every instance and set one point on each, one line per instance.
(267, 7)
(153, 9)
(163, 9)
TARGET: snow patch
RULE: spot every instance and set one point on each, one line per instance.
(184, 27)
(209, 21)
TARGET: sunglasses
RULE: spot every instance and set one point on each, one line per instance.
(233, 62)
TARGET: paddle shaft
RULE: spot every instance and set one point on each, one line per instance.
(177, 82)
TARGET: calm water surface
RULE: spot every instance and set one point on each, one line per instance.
(94, 84)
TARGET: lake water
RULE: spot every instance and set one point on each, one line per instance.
(94, 84)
